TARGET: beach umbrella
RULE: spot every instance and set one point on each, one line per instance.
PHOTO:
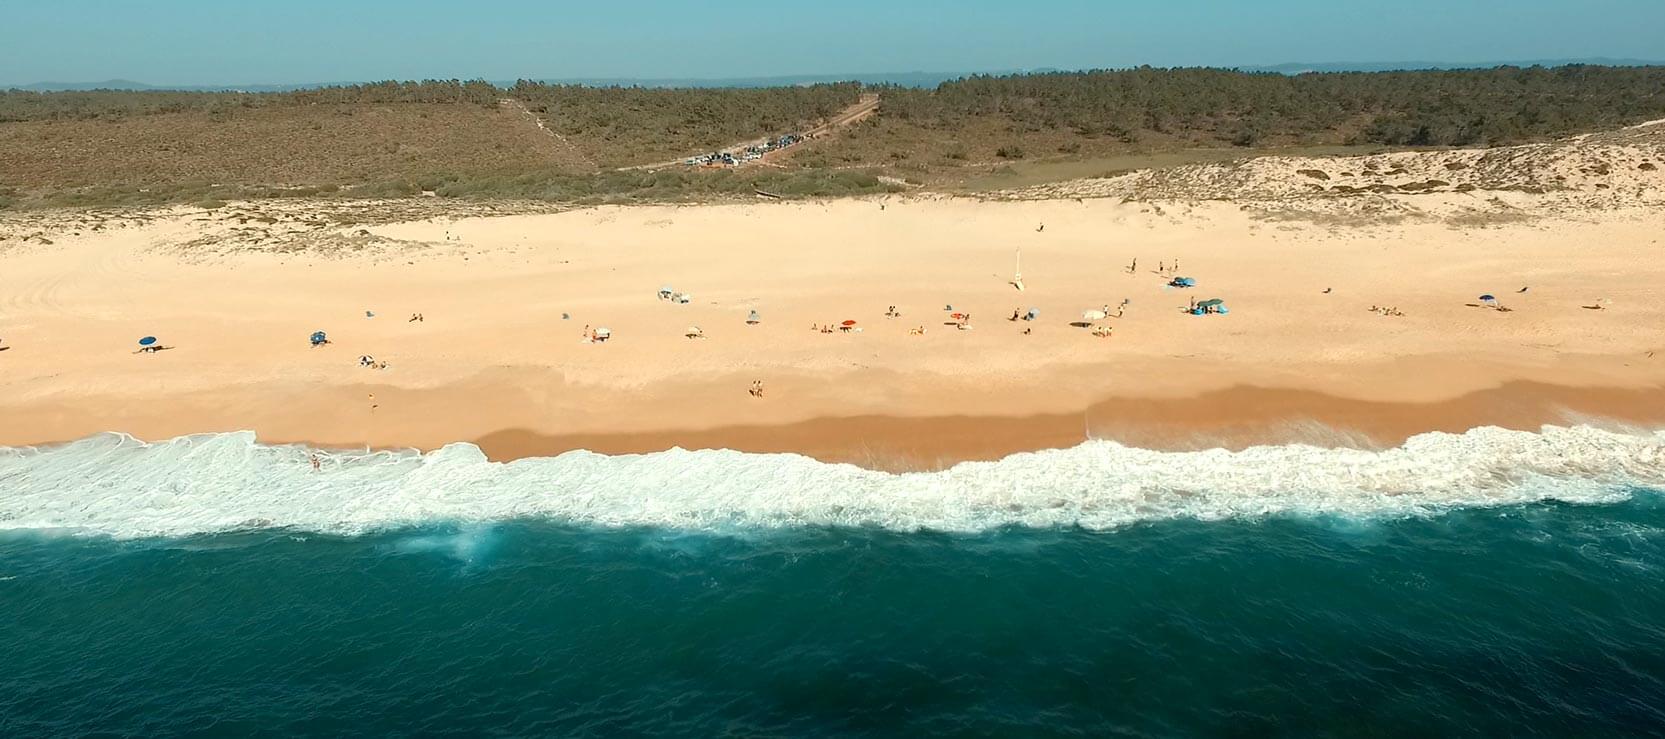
(603, 332)
(1034, 313)
(1488, 298)
(848, 324)
(1093, 315)
(956, 316)
(318, 337)
(147, 341)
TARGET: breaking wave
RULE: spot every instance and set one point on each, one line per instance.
(118, 486)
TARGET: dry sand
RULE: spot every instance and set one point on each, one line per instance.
(495, 361)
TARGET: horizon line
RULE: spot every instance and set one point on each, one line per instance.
(1339, 66)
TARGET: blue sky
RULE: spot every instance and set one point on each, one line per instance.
(291, 41)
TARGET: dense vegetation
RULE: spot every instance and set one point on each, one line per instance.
(1460, 107)
(473, 139)
(20, 105)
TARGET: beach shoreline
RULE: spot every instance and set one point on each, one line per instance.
(1231, 418)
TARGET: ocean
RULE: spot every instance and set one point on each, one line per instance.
(1488, 583)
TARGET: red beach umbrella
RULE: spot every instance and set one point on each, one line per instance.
(848, 323)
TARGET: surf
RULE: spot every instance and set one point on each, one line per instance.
(117, 486)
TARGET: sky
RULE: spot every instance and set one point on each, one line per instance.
(208, 42)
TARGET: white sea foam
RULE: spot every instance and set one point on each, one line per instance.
(118, 486)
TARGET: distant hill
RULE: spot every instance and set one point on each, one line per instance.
(576, 142)
(131, 86)
(903, 79)
(1299, 68)
(918, 80)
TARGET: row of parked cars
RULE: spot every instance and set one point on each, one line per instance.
(748, 154)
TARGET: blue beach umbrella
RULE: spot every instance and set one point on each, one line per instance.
(318, 337)
(147, 341)
(1488, 298)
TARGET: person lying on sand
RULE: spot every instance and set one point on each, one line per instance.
(152, 349)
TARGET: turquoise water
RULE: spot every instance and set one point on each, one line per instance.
(1543, 618)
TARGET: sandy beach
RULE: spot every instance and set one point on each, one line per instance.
(500, 356)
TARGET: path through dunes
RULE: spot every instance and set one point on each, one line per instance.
(569, 157)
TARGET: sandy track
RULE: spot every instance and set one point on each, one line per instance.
(857, 112)
(573, 152)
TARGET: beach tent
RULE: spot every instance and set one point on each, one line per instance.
(753, 317)
(1212, 305)
(665, 292)
(1183, 282)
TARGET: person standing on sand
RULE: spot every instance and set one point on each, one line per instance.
(1134, 267)
(314, 461)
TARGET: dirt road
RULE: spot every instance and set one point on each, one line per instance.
(857, 112)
